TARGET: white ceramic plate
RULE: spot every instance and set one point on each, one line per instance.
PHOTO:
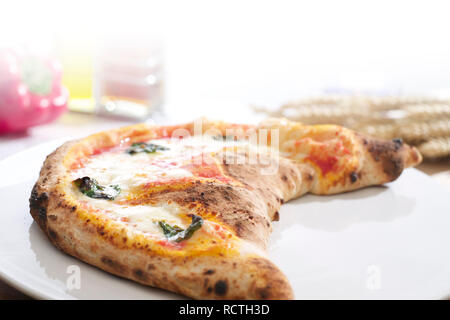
(377, 243)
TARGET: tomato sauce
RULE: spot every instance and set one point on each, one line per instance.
(326, 163)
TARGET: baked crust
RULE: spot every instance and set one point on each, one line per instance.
(246, 208)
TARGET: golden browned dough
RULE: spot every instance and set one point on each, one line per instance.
(309, 159)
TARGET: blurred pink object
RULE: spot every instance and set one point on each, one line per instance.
(31, 92)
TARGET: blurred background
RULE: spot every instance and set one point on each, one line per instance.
(69, 68)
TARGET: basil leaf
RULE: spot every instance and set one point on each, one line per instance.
(140, 147)
(177, 234)
(92, 189)
(168, 230)
(196, 224)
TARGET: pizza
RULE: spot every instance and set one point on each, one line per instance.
(189, 208)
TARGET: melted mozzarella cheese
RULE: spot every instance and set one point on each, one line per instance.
(128, 171)
(143, 218)
(116, 167)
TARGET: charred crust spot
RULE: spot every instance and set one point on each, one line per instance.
(139, 274)
(394, 168)
(42, 214)
(74, 208)
(309, 177)
(284, 178)
(209, 289)
(101, 230)
(52, 217)
(36, 200)
(276, 216)
(116, 266)
(398, 142)
(209, 272)
(264, 293)
(38, 206)
(238, 228)
(52, 234)
(221, 288)
(386, 152)
(280, 200)
(353, 177)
